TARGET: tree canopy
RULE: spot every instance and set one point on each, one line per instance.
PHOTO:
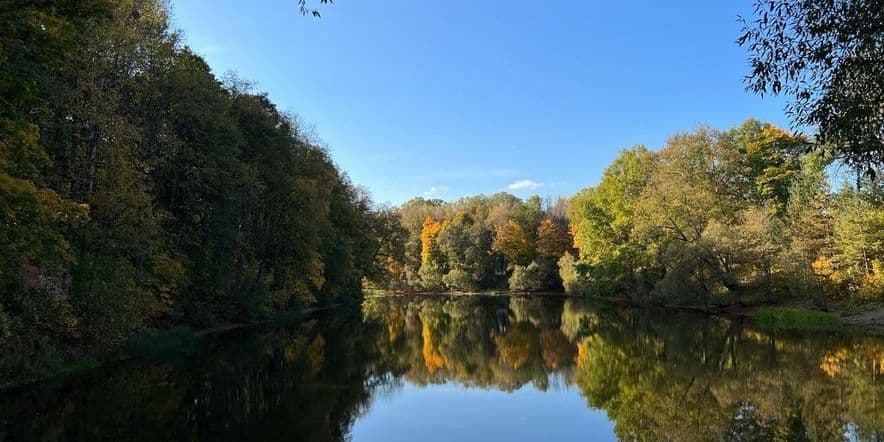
(829, 57)
(139, 191)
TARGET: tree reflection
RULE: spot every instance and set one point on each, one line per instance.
(658, 375)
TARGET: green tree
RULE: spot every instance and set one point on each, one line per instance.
(603, 217)
(829, 57)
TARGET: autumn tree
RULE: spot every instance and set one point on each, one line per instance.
(514, 243)
(466, 245)
(553, 238)
(433, 265)
(154, 193)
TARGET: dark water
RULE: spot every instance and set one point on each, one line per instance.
(478, 369)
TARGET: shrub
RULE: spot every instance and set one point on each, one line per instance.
(573, 274)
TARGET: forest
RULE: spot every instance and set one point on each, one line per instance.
(712, 217)
(138, 190)
(141, 192)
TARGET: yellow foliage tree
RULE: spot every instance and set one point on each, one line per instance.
(514, 243)
(429, 233)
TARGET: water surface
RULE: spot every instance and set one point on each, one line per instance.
(458, 369)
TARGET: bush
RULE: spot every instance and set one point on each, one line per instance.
(573, 274)
(525, 279)
(872, 288)
(459, 280)
(536, 276)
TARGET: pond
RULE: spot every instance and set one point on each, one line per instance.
(464, 369)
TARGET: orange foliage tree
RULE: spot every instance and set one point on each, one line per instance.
(553, 238)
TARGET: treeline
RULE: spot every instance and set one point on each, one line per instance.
(138, 190)
(476, 243)
(712, 217)
(725, 216)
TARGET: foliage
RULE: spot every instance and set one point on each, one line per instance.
(534, 277)
(553, 238)
(138, 191)
(603, 217)
(306, 9)
(475, 243)
(725, 216)
(829, 57)
(514, 243)
(573, 274)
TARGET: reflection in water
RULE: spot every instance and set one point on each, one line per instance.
(656, 375)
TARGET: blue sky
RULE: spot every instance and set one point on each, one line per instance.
(451, 98)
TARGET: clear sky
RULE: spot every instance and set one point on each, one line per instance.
(457, 97)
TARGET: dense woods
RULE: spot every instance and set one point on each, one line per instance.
(138, 190)
(476, 243)
(712, 217)
(721, 216)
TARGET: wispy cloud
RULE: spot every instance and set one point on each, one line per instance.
(435, 190)
(524, 185)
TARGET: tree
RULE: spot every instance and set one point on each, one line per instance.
(553, 238)
(466, 245)
(700, 180)
(514, 243)
(766, 155)
(153, 193)
(829, 56)
(389, 238)
(572, 272)
(751, 247)
(603, 220)
(536, 276)
(432, 258)
(810, 230)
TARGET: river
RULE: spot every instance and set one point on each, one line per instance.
(478, 368)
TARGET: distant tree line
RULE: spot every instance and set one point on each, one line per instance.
(712, 217)
(477, 243)
(137, 190)
(726, 216)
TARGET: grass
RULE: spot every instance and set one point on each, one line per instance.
(785, 318)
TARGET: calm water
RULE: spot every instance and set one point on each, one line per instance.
(458, 369)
